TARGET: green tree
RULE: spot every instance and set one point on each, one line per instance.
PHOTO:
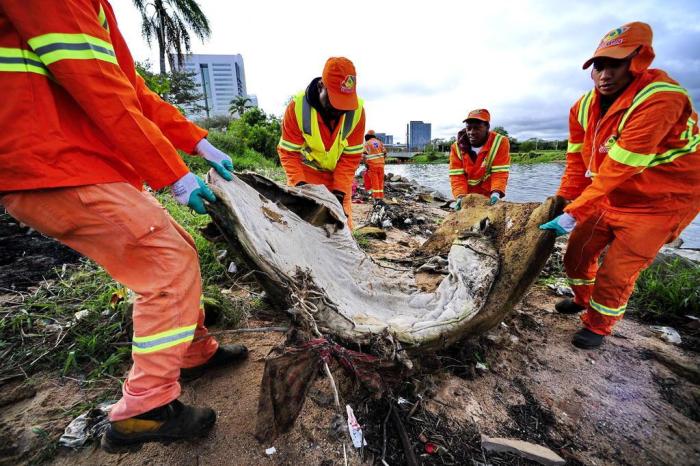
(176, 87)
(501, 130)
(239, 104)
(170, 23)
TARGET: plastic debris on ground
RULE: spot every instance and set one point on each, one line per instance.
(668, 334)
(270, 451)
(88, 426)
(358, 440)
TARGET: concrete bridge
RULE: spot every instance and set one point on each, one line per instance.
(401, 154)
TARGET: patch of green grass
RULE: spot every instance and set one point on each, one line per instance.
(664, 292)
(430, 158)
(362, 240)
(541, 156)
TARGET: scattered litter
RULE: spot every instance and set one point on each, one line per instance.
(480, 366)
(386, 223)
(403, 401)
(561, 289)
(358, 440)
(668, 334)
(431, 448)
(232, 267)
(81, 314)
(88, 426)
(270, 451)
(542, 455)
(220, 254)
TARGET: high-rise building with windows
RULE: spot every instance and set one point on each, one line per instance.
(418, 135)
(220, 78)
(385, 138)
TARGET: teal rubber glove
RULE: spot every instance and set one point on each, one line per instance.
(458, 204)
(191, 191)
(216, 159)
(495, 197)
(561, 225)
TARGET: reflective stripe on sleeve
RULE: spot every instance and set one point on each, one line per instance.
(102, 18)
(457, 171)
(290, 146)
(163, 340)
(500, 168)
(353, 149)
(574, 147)
(55, 47)
(21, 61)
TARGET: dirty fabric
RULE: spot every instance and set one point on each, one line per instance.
(289, 374)
(88, 426)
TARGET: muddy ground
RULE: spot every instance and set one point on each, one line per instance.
(617, 405)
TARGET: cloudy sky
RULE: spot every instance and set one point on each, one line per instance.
(436, 60)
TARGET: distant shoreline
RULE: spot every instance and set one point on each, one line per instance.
(526, 158)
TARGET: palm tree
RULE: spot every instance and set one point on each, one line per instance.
(239, 104)
(170, 22)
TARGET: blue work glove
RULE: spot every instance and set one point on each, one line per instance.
(216, 159)
(190, 190)
(561, 225)
(495, 197)
(458, 204)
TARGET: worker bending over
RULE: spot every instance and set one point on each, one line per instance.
(632, 176)
(479, 160)
(373, 157)
(81, 133)
(322, 133)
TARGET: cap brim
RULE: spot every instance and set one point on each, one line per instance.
(617, 53)
(341, 101)
(475, 119)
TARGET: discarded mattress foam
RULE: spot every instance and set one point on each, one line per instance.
(298, 239)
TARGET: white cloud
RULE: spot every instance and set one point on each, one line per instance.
(433, 61)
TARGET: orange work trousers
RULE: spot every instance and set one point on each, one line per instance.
(374, 179)
(633, 240)
(132, 236)
(326, 179)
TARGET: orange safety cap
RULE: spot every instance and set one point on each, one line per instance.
(371, 132)
(623, 41)
(478, 114)
(340, 79)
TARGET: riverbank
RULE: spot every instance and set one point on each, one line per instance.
(542, 156)
(63, 354)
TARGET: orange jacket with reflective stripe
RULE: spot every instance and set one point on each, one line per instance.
(293, 160)
(651, 166)
(74, 110)
(374, 152)
(469, 176)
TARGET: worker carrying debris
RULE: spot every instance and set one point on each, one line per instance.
(373, 157)
(322, 133)
(632, 176)
(479, 160)
(81, 133)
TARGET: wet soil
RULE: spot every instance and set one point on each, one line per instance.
(523, 380)
(27, 256)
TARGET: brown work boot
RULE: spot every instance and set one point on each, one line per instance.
(168, 423)
(225, 355)
(568, 306)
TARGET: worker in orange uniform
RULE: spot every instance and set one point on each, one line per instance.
(373, 156)
(479, 160)
(81, 133)
(632, 176)
(322, 133)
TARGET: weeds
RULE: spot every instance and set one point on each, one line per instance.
(362, 240)
(667, 291)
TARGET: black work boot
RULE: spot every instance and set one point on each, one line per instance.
(225, 354)
(568, 306)
(174, 421)
(585, 339)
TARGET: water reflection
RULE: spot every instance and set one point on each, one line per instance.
(527, 183)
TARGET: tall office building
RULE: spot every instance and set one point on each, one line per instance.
(418, 135)
(385, 138)
(219, 79)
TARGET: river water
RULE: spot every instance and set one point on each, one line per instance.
(527, 183)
